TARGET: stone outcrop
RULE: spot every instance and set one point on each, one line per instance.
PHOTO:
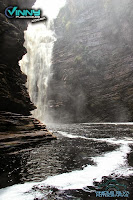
(93, 62)
(17, 129)
(13, 93)
(17, 122)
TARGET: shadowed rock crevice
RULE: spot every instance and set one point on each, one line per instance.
(13, 93)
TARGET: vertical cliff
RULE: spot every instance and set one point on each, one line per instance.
(17, 129)
(93, 62)
(15, 104)
(13, 93)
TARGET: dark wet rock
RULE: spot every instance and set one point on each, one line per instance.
(18, 131)
(17, 122)
(130, 157)
(22, 25)
(13, 93)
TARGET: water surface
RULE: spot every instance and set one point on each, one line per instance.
(72, 166)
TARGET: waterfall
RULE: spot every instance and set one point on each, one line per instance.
(36, 64)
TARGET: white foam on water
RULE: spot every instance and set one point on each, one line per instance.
(18, 192)
(65, 134)
(125, 140)
(110, 123)
(112, 163)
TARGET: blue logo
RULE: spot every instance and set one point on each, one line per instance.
(112, 189)
(7, 12)
(15, 12)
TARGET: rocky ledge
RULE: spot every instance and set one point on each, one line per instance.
(18, 131)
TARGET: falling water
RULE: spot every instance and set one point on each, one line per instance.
(36, 64)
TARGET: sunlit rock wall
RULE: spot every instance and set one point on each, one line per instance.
(93, 62)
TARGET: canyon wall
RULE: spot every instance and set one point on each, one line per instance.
(13, 93)
(93, 62)
(18, 130)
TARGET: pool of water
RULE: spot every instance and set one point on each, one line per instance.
(73, 166)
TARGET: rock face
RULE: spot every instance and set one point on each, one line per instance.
(93, 62)
(17, 129)
(13, 93)
(17, 122)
